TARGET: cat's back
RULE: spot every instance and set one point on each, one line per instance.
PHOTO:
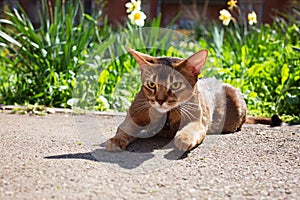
(212, 91)
(225, 102)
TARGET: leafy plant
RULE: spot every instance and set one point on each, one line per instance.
(261, 61)
(43, 62)
(72, 61)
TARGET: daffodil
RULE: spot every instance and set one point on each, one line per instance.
(225, 17)
(133, 5)
(252, 18)
(137, 17)
(232, 4)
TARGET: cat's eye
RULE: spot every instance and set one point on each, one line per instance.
(151, 84)
(176, 85)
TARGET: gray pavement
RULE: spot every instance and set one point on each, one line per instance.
(60, 156)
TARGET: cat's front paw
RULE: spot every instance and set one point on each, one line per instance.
(184, 142)
(115, 144)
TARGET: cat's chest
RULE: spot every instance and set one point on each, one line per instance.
(173, 119)
(171, 125)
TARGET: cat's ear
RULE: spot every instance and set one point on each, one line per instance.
(142, 59)
(195, 62)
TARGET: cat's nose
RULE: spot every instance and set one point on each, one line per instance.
(161, 96)
(160, 101)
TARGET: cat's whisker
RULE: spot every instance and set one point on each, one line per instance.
(141, 105)
(138, 111)
(141, 108)
(190, 104)
(142, 101)
(185, 113)
(190, 108)
(185, 116)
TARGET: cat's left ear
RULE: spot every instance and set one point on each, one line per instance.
(195, 62)
(142, 59)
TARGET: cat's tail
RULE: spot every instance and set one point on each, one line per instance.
(273, 121)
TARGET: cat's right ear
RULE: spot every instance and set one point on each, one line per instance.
(141, 58)
(195, 62)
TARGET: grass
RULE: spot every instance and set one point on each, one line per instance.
(262, 61)
(43, 62)
(71, 60)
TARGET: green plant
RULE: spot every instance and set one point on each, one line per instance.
(261, 61)
(43, 62)
(72, 61)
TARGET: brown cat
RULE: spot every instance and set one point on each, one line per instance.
(173, 102)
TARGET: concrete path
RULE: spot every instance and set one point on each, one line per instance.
(60, 156)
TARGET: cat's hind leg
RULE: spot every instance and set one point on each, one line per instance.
(190, 136)
(236, 110)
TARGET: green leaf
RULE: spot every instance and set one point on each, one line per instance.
(9, 39)
(88, 17)
(284, 73)
(5, 21)
(244, 54)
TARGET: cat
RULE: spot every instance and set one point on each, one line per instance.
(173, 102)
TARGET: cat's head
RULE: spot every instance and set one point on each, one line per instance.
(167, 81)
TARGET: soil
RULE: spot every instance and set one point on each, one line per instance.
(61, 156)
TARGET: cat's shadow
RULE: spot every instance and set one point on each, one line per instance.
(135, 155)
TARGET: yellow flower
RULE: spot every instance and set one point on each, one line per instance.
(133, 5)
(232, 4)
(252, 18)
(225, 17)
(137, 17)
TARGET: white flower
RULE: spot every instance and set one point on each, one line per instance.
(133, 5)
(252, 18)
(225, 17)
(137, 17)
